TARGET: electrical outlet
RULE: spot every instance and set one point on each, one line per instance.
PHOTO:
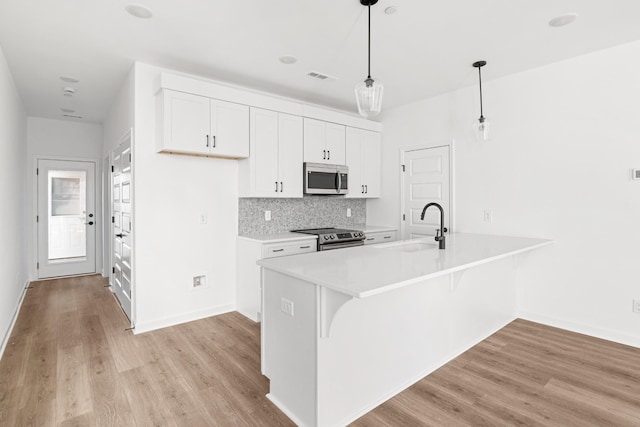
(203, 217)
(488, 216)
(199, 281)
(636, 305)
(348, 212)
(286, 306)
(267, 215)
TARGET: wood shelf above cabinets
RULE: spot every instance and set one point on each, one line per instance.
(197, 125)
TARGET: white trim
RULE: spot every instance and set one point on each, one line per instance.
(7, 335)
(567, 325)
(451, 213)
(286, 410)
(183, 318)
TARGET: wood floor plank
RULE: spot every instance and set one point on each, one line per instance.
(70, 362)
(73, 397)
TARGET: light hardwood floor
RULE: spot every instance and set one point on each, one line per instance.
(70, 362)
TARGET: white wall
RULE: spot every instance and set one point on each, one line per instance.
(13, 270)
(170, 191)
(565, 138)
(51, 138)
(118, 123)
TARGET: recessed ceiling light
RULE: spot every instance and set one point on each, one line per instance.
(67, 110)
(288, 59)
(562, 20)
(139, 11)
(68, 91)
(391, 10)
(69, 79)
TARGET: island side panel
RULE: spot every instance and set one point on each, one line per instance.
(289, 345)
(380, 345)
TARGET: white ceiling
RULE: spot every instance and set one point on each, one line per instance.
(424, 49)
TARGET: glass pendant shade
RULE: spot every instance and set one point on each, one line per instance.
(481, 129)
(369, 97)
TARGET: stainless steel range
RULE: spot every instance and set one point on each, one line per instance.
(335, 238)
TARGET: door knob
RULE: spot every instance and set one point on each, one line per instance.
(89, 223)
(119, 235)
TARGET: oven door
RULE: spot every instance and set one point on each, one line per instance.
(340, 245)
(325, 179)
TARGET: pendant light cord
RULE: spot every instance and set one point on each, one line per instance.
(369, 62)
(480, 79)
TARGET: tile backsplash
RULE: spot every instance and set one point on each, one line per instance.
(307, 212)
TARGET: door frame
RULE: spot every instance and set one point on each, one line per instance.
(452, 206)
(129, 134)
(33, 255)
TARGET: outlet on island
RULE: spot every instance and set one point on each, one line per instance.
(199, 281)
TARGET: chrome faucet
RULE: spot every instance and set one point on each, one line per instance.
(440, 232)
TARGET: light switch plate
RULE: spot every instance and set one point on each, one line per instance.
(286, 306)
(635, 174)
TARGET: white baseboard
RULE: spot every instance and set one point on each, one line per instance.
(142, 327)
(5, 339)
(592, 331)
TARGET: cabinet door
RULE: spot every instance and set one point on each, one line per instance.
(186, 123)
(264, 152)
(314, 141)
(335, 143)
(290, 155)
(371, 163)
(230, 128)
(354, 162)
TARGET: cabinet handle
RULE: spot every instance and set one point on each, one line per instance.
(276, 186)
(371, 238)
(324, 154)
(214, 141)
(277, 250)
(328, 154)
(362, 189)
(207, 141)
(387, 237)
(366, 189)
(305, 247)
(281, 187)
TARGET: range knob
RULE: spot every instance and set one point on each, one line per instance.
(332, 237)
(326, 237)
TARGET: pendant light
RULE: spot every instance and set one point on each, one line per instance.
(369, 93)
(481, 126)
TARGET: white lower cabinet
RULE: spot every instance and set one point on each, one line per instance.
(249, 251)
(380, 237)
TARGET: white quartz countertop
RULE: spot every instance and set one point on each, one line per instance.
(277, 237)
(369, 270)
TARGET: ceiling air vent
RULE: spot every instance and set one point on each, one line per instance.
(320, 76)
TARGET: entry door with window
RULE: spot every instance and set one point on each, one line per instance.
(122, 227)
(426, 179)
(66, 218)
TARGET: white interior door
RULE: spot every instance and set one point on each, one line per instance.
(66, 219)
(122, 227)
(426, 179)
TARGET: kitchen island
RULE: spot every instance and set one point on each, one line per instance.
(345, 330)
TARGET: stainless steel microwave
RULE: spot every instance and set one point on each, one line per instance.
(320, 178)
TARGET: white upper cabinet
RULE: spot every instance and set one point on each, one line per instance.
(363, 157)
(275, 166)
(194, 124)
(324, 142)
